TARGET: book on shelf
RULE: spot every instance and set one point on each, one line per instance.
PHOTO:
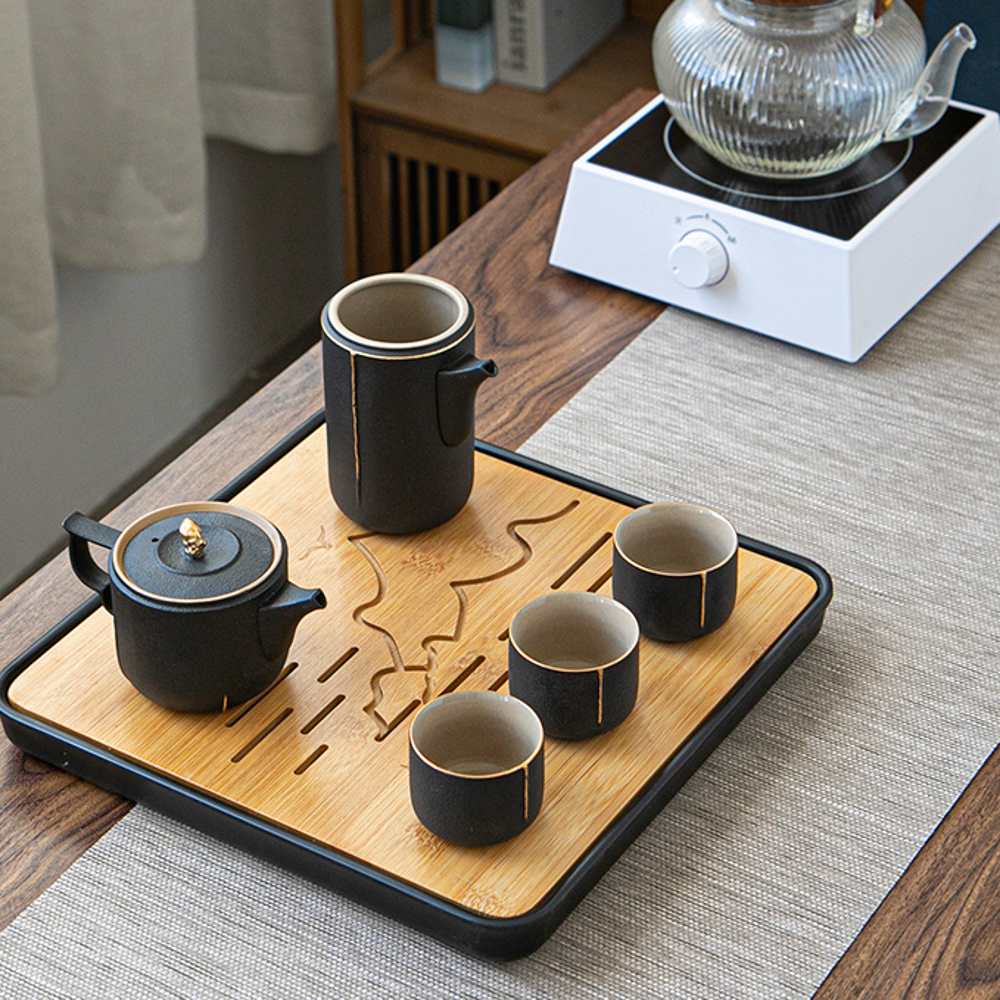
(464, 51)
(539, 41)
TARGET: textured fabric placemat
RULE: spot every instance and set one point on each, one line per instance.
(756, 877)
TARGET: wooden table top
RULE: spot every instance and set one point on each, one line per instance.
(937, 934)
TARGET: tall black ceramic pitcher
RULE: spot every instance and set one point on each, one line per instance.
(400, 379)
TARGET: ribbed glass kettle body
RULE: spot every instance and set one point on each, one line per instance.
(784, 92)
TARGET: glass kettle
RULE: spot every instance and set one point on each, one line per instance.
(801, 88)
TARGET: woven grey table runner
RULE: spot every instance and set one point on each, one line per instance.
(756, 877)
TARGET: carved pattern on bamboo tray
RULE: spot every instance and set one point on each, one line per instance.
(323, 751)
(399, 686)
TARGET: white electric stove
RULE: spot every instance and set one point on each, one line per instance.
(829, 264)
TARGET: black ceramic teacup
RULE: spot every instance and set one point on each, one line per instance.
(477, 767)
(574, 657)
(400, 377)
(675, 565)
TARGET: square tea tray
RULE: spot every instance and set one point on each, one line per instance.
(313, 772)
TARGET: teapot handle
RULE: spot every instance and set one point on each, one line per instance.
(83, 530)
(868, 15)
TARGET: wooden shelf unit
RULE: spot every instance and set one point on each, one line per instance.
(417, 159)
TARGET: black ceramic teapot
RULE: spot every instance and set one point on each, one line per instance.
(203, 609)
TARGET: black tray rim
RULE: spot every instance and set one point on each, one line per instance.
(491, 937)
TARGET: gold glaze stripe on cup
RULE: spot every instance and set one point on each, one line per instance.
(492, 774)
(354, 419)
(572, 670)
(665, 572)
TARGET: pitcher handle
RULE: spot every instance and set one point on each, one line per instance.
(83, 530)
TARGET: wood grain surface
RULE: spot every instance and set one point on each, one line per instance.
(324, 751)
(934, 936)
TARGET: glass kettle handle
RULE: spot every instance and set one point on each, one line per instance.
(869, 11)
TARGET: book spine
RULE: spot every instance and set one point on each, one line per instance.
(519, 40)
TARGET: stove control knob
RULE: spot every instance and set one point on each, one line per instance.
(699, 259)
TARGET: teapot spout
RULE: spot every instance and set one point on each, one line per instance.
(456, 397)
(278, 619)
(924, 105)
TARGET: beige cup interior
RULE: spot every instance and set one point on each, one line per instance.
(476, 733)
(574, 631)
(397, 311)
(676, 539)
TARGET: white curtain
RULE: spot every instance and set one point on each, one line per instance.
(104, 108)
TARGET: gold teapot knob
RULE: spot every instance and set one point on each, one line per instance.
(194, 539)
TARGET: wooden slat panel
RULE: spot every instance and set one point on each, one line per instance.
(424, 196)
(403, 219)
(463, 196)
(443, 225)
(388, 240)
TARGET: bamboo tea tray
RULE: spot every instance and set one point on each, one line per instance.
(313, 773)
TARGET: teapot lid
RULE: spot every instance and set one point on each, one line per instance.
(879, 7)
(794, 3)
(196, 552)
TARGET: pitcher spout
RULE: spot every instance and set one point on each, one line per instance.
(278, 619)
(456, 397)
(924, 105)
